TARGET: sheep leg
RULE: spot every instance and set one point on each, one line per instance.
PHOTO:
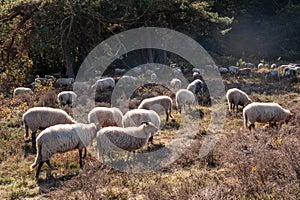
(39, 169)
(84, 153)
(33, 138)
(26, 132)
(167, 118)
(251, 125)
(48, 163)
(80, 158)
(150, 139)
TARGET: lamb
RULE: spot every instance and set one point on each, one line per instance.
(244, 71)
(66, 98)
(196, 86)
(106, 116)
(129, 139)
(136, 116)
(236, 97)
(265, 113)
(21, 90)
(103, 84)
(176, 83)
(233, 69)
(43, 117)
(157, 104)
(62, 138)
(184, 97)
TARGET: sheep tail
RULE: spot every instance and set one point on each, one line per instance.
(38, 157)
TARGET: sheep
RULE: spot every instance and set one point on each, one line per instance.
(250, 65)
(43, 117)
(21, 90)
(264, 113)
(81, 86)
(42, 81)
(233, 69)
(106, 116)
(196, 86)
(176, 71)
(103, 84)
(128, 80)
(66, 98)
(260, 65)
(158, 103)
(62, 138)
(50, 77)
(62, 82)
(272, 75)
(175, 83)
(273, 66)
(136, 116)
(129, 139)
(184, 97)
(200, 71)
(236, 97)
(244, 71)
(119, 71)
(290, 72)
(223, 70)
(197, 75)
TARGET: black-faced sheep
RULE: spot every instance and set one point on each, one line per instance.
(66, 98)
(264, 113)
(158, 104)
(136, 116)
(236, 97)
(184, 97)
(106, 116)
(196, 86)
(62, 138)
(43, 117)
(118, 139)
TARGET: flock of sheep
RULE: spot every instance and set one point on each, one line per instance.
(113, 130)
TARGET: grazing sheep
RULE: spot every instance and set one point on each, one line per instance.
(290, 72)
(264, 113)
(21, 90)
(272, 75)
(200, 71)
(176, 83)
(81, 86)
(129, 139)
(62, 138)
(273, 66)
(223, 70)
(157, 104)
(66, 98)
(236, 97)
(103, 84)
(106, 116)
(128, 80)
(136, 116)
(196, 86)
(233, 69)
(184, 97)
(43, 117)
(244, 71)
(62, 82)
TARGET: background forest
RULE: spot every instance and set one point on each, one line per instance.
(46, 37)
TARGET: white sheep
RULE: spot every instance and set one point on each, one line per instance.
(273, 66)
(196, 86)
(260, 65)
(81, 86)
(233, 69)
(176, 83)
(66, 98)
(128, 139)
(62, 138)
(265, 113)
(157, 104)
(43, 117)
(21, 90)
(184, 97)
(136, 116)
(103, 84)
(106, 116)
(128, 80)
(236, 97)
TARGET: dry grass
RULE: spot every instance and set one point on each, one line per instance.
(262, 164)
